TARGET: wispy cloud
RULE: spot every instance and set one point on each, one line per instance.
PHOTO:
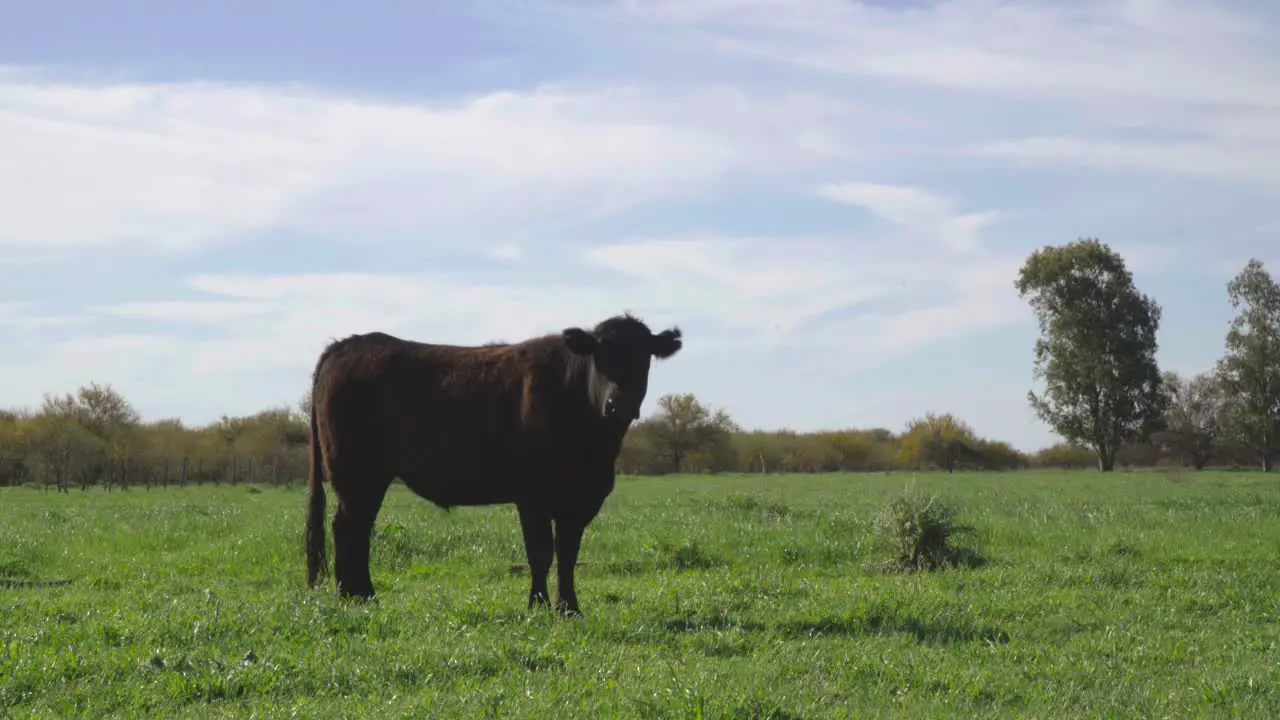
(914, 209)
(1154, 49)
(508, 252)
(183, 165)
(1235, 160)
(1208, 71)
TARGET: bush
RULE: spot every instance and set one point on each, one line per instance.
(919, 528)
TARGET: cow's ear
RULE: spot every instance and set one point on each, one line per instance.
(666, 343)
(579, 341)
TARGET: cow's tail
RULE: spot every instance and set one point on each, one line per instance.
(316, 564)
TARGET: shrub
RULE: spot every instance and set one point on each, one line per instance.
(919, 527)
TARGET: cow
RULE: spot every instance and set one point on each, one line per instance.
(537, 423)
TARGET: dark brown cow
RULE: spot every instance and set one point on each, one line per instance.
(537, 423)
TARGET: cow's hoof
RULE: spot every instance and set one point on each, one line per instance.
(568, 611)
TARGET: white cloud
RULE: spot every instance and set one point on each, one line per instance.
(1119, 48)
(184, 165)
(1257, 164)
(861, 302)
(508, 252)
(937, 302)
(196, 312)
(1210, 71)
(914, 209)
(143, 361)
(761, 289)
(19, 316)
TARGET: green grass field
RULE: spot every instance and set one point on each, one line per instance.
(1143, 594)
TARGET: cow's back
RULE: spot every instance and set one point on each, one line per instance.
(453, 422)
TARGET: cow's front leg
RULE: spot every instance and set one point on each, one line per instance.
(539, 546)
(571, 523)
(568, 540)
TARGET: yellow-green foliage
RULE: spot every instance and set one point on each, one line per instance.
(929, 439)
(95, 437)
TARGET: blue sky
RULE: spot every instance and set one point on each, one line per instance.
(831, 198)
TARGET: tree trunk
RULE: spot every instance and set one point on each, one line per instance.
(1106, 458)
(1267, 441)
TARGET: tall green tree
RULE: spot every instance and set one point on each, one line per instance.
(1192, 417)
(1249, 371)
(1097, 347)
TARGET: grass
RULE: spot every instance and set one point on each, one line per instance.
(727, 597)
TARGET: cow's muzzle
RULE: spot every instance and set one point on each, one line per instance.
(615, 409)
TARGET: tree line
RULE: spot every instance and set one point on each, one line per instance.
(94, 436)
(1103, 393)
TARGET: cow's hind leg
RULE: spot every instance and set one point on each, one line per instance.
(352, 530)
(539, 547)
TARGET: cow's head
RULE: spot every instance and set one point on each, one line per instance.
(620, 349)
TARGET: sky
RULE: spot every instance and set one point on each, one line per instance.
(830, 198)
